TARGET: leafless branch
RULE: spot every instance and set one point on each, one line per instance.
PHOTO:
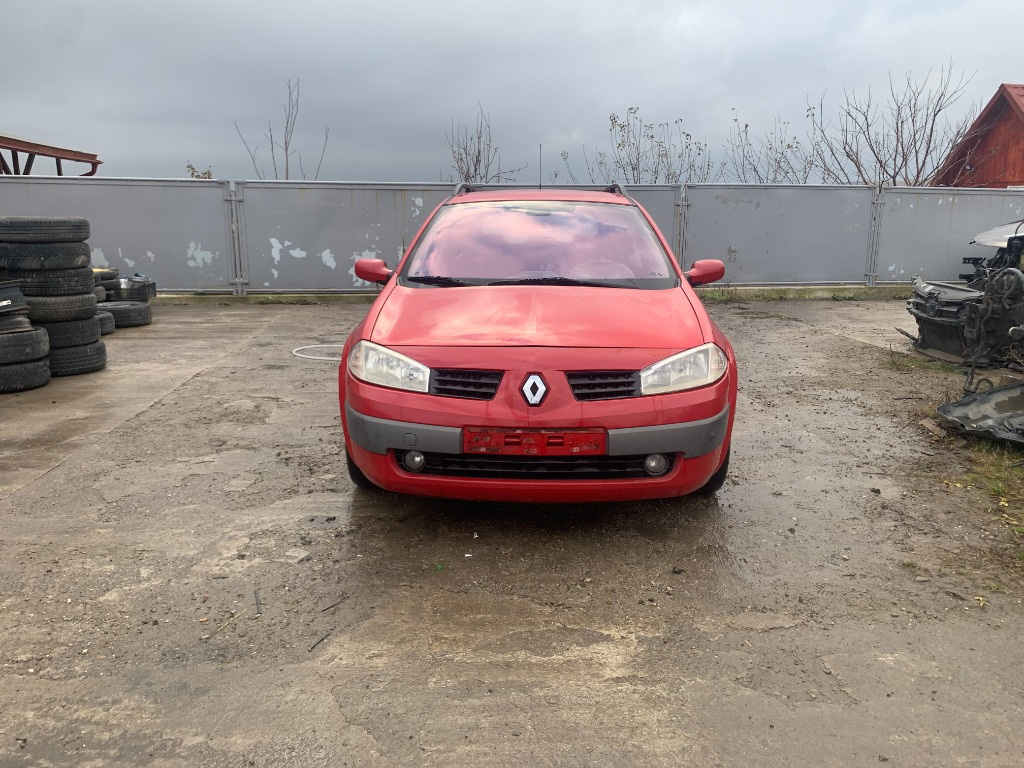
(475, 157)
(285, 144)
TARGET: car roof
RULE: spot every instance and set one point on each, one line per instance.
(533, 193)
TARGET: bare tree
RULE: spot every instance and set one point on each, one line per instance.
(646, 153)
(281, 148)
(774, 157)
(475, 156)
(901, 141)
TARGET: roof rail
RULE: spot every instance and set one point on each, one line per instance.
(463, 188)
(616, 189)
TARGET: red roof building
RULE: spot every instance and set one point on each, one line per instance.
(992, 154)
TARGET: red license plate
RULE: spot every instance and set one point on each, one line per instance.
(534, 442)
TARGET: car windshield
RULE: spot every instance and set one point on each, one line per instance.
(539, 242)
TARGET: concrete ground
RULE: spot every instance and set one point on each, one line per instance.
(187, 577)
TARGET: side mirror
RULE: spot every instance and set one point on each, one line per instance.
(702, 272)
(372, 270)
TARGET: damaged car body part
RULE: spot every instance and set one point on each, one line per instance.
(997, 414)
(538, 345)
(980, 323)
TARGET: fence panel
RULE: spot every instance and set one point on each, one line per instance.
(926, 231)
(780, 234)
(279, 236)
(306, 236)
(175, 231)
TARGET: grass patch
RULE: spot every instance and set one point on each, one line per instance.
(724, 294)
(998, 469)
(901, 361)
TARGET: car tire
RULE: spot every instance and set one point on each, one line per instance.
(104, 274)
(43, 229)
(72, 333)
(29, 256)
(19, 377)
(355, 474)
(717, 480)
(71, 361)
(53, 282)
(128, 314)
(59, 309)
(23, 346)
(14, 322)
(107, 324)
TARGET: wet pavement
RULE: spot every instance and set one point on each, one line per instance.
(188, 578)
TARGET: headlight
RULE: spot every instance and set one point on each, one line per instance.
(693, 368)
(375, 364)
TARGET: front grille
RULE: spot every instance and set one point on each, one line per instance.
(604, 385)
(468, 384)
(535, 467)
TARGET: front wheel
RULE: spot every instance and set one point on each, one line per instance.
(717, 480)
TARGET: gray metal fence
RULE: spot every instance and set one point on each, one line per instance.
(280, 236)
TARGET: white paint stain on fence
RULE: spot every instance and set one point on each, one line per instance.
(297, 253)
(358, 282)
(98, 259)
(275, 248)
(196, 256)
(328, 259)
(151, 256)
(417, 206)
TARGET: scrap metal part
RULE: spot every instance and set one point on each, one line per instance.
(980, 323)
(996, 413)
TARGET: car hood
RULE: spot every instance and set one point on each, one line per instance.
(546, 316)
(998, 236)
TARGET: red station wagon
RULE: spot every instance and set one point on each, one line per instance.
(538, 345)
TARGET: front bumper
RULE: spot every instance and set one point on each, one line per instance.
(696, 450)
(691, 438)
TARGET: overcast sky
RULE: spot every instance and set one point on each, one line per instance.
(152, 86)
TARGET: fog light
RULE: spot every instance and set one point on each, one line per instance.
(656, 464)
(414, 461)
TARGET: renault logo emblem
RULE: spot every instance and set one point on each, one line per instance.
(534, 389)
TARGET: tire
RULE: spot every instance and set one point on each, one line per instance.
(72, 333)
(43, 229)
(128, 314)
(104, 273)
(58, 309)
(355, 474)
(717, 480)
(53, 282)
(23, 347)
(11, 297)
(44, 255)
(100, 293)
(71, 361)
(14, 322)
(21, 376)
(107, 324)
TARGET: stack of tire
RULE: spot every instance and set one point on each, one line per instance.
(126, 306)
(23, 362)
(104, 278)
(49, 258)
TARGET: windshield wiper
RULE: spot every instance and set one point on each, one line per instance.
(438, 280)
(562, 281)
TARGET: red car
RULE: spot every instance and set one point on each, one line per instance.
(538, 345)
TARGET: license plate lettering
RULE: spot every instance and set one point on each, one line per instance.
(533, 442)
